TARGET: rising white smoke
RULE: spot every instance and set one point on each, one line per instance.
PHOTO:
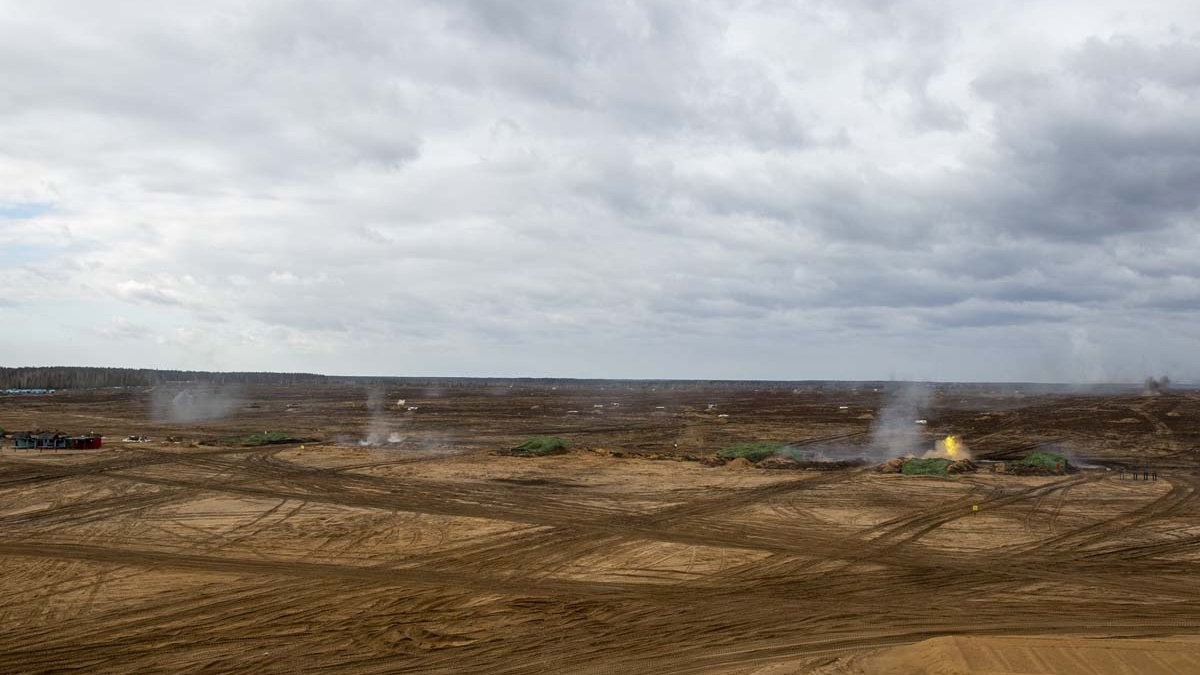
(895, 433)
(380, 429)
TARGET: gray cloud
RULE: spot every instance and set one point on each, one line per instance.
(1090, 149)
(604, 189)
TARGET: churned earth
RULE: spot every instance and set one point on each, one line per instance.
(422, 552)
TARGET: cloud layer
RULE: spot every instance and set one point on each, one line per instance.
(852, 190)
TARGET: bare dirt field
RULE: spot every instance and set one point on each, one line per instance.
(423, 552)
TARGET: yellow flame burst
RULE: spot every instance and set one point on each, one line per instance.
(952, 445)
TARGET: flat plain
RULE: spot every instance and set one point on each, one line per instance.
(390, 538)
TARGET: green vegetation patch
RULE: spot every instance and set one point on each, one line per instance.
(543, 445)
(1043, 461)
(266, 438)
(754, 451)
(935, 466)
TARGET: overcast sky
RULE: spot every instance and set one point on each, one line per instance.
(830, 189)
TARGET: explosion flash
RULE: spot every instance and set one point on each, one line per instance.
(952, 446)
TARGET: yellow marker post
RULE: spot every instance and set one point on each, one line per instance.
(974, 508)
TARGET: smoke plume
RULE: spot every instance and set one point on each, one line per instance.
(379, 427)
(195, 404)
(895, 431)
(1156, 386)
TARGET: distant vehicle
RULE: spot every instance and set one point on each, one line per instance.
(137, 439)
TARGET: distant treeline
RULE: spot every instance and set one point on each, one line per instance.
(71, 377)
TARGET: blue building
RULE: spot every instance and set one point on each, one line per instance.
(39, 441)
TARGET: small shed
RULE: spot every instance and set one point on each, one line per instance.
(89, 442)
(23, 441)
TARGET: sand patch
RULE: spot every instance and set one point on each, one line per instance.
(1038, 656)
(657, 562)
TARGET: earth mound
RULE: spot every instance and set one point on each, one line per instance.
(936, 466)
(961, 466)
(778, 463)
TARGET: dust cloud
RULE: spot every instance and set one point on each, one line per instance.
(380, 429)
(195, 404)
(895, 431)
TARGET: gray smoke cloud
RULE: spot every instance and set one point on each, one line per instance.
(381, 428)
(1156, 385)
(895, 431)
(378, 428)
(195, 404)
(387, 420)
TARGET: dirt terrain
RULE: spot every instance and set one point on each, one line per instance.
(1023, 655)
(422, 552)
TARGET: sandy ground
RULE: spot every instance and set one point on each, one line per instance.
(1021, 655)
(438, 557)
